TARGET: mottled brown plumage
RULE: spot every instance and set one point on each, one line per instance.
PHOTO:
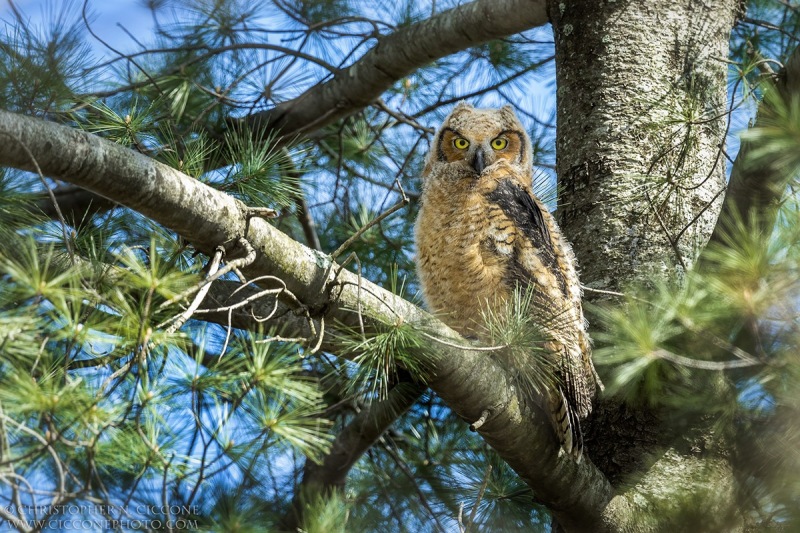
(482, 234)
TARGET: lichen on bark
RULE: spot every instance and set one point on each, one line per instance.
(641, 122)
(642, 91)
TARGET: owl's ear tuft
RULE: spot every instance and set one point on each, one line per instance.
(462, 105)
(426, 170)
(507, 111)
(430, 159)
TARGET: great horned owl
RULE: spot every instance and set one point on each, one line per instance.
(483, 238)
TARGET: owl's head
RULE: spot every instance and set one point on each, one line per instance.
(473, 139)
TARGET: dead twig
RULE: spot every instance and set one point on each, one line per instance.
(181, 319)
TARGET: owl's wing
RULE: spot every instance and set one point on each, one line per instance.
(535, 264)
(529, 220)
(519, 206)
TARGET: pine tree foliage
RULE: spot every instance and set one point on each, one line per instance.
(121, 397)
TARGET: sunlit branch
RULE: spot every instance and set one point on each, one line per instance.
(469, 382)
(397, 55)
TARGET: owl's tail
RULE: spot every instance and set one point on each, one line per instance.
(566, 424)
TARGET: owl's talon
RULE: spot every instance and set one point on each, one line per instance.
(475, 426)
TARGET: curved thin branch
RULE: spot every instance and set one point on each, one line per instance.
(703, 365)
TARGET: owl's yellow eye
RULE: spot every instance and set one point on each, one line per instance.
(460, 143)
(499, 143)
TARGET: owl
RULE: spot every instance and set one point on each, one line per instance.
(483, 239)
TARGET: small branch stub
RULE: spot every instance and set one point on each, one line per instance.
(261, 212)
(475, 426)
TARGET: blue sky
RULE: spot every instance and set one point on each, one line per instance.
(109, 19)
(114, 20)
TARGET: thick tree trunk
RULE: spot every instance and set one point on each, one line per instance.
(641, 122)
(641, 127)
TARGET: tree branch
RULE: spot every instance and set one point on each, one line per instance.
(756, 190)
(396, 56)
(469, 381)
(348, 447)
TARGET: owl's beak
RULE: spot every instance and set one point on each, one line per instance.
(479, 160)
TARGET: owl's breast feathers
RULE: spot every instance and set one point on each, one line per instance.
(481, 238)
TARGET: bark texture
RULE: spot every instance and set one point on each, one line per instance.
(641, 125)
(658, 501)
(641, 120)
